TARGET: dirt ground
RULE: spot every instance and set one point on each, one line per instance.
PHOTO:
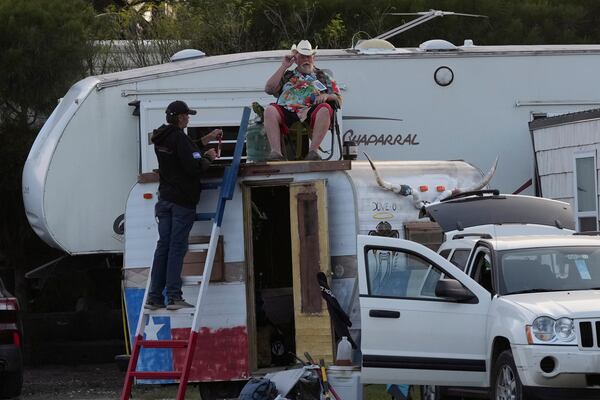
(89, 382)
(104, 382)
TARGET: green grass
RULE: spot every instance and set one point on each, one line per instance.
(375, 392)
(378, 392)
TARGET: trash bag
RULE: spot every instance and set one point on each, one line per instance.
(258, 389)
(338, 316)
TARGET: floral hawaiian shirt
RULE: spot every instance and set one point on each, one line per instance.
(299, 91)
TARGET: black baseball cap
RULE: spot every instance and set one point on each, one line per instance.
(179, 107)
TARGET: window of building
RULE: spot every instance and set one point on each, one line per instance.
(586, 198)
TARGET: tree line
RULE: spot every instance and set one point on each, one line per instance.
(232, 26)
(47, 45)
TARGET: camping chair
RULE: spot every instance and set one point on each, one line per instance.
(295, 143)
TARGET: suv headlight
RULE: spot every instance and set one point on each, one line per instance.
(565, 329)
(546, 330)
(543, 329)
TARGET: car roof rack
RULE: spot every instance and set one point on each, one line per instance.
(587, 233)
(479, 235)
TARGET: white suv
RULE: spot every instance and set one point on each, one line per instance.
(495, 313)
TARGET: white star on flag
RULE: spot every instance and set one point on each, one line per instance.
(152, 329)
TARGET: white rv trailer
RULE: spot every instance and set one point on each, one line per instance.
(286, 222)
(468, 102)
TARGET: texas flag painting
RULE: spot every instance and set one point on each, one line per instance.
(221, 352)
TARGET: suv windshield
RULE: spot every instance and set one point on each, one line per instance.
(549, 269)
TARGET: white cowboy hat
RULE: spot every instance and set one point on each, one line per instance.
(304, 47)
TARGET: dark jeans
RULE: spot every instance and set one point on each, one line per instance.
(174, 225)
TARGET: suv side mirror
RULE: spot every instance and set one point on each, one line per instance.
(454, 290)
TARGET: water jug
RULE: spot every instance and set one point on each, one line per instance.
(257, 144)
(344, 352)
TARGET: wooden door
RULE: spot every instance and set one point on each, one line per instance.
(310, 254)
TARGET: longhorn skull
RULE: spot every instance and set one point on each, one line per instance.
(406, 190)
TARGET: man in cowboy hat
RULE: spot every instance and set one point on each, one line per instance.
(302, 94)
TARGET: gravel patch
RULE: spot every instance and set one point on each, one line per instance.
(89, 382)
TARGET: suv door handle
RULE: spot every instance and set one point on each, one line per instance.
(384, 314)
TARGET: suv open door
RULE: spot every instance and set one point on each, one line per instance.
(423, 320)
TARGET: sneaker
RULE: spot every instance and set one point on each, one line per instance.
(178, 304)
(312, 156)
(153, 305)
(275, 156)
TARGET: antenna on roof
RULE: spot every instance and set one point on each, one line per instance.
(424, 16)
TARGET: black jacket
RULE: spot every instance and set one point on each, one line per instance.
(180, 166)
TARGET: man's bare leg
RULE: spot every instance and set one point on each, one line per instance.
(322, 120)
(272, 122)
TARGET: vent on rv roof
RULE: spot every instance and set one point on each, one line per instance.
(374, 44)
(437, 45)
(187, 54)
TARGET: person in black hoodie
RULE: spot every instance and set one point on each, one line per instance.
(180, 166)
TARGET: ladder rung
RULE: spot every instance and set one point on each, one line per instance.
(231, 158)
(197, 247)
(205, 216)
(164, 312)
(228, 141)
(191, 279)
(164, 344)
(156, 374)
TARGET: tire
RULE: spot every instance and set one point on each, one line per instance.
(506, 384)
(11, 384)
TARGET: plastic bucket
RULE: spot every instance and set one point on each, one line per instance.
(345, 381)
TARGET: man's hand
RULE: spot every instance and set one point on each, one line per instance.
(322, 98)
(211, 154)
(288, 61)
(214, 135)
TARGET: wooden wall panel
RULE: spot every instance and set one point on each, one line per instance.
(309, 228)
(308, 233)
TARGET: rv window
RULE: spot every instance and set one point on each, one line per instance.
(394, 273)
(227, 143)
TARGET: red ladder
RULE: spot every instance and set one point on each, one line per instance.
(189, 344)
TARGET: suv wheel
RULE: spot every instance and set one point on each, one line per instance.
(506, 384)
(10, 384)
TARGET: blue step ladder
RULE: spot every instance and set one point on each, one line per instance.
(227, 188)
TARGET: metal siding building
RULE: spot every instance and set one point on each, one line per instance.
(566, 148)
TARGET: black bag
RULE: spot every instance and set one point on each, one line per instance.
(258, 389)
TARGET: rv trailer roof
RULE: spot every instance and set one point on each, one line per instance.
(204, 63)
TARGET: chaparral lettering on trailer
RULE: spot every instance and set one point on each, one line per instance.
(381, 139)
